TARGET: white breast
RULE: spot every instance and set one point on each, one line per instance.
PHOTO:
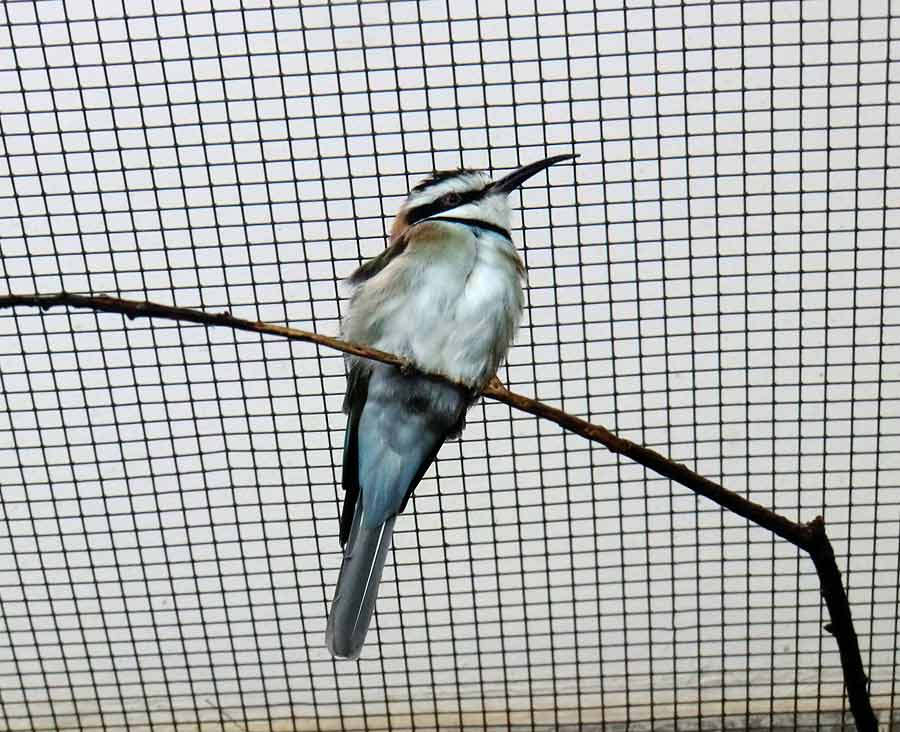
(452, 309)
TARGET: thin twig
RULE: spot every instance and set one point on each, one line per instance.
(810, 537)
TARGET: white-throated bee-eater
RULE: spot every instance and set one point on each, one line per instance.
(446, 295)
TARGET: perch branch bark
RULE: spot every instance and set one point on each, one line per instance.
(810, 537)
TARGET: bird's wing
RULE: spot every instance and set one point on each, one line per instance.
(372, 267)
(388, 420)
(354, 401)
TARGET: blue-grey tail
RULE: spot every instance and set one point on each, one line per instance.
(396, 426)
(357, 588)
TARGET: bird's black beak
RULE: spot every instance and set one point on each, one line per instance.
(512, 181)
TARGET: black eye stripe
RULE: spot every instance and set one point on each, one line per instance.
(433, 208)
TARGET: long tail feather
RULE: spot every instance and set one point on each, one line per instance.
(357, 586)
(396, 427)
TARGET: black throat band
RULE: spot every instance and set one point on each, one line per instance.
(473, 223)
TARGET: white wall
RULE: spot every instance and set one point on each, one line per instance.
(168, 540)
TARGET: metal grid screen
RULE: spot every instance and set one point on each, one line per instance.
(718, 277)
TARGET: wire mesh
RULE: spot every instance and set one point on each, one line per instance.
(716, 278)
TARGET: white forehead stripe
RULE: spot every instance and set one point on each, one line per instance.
(468, 181)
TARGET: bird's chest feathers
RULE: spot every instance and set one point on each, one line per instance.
(459, 308)
(465, 281)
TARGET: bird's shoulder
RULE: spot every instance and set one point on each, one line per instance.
(372, 267)
(413, 241)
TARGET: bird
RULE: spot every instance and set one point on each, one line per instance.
(446, 297)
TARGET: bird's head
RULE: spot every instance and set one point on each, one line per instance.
(466, 194)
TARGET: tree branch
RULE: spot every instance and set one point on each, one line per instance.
(810, 537)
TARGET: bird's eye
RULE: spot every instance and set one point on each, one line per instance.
(452, 199)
